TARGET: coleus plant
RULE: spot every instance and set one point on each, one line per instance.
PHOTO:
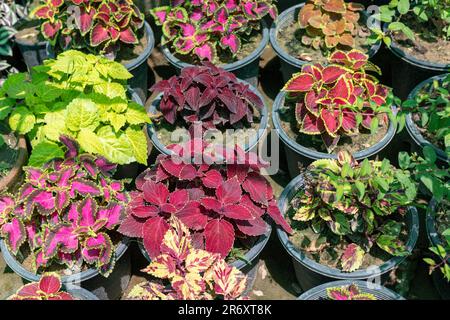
(217, 202)
(207, 94)
(65, 212)
(79, 95)
(353, 203)
(208, 29)
(442, 260)
(350, 292)
(329, 23)
(339, 98)
(47, 288)
(183, 272)
(98, 26)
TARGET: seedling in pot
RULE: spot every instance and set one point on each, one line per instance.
(47, 288)
(219, 203)
(355, 206)
(66, 212)
(442, 260)
(183, 272)
(210, 29)
(338, 99)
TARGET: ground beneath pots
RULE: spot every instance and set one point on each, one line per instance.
(276, 279)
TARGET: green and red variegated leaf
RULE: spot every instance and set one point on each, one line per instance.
(368, 115)
(339, 57)
(315, 70)
(332, 120)
(50, 283)
(349, 123)
(332, 73)
(50, 30)
(300, 82)
(128, 36)
(300, 111)
(232, 42)
(311, 98)
(184, 45)
(341, 90)
(206, 52)
(14, 234)
(87, 211)
(358, 59)
(59, 238)
(338, 293)
(43, 12)
(84, 187)
(43, 201)
(98, 35)
(98, 249)
(312, 124)
(85, 20)
(62, 200)
(352, 258)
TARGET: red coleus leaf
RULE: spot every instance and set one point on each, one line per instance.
(14, 234)
(192, 216)
(155, 193)
(49, 284)
(205, 52)
(332, 73)
(275, 214)
(255, 227)
(128, 36)
(219, 237)
(300, 82)
(258, 188)
(50, 30)
(212, 179)
(153, 231)
(312, 124)
(237, 212)
(349, 123)
(99, 34)
(85, 20)
(132, 226)
(229, 192)
(332, 120)
(232, 42)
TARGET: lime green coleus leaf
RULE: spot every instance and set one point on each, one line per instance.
(44, 152)
(136, 114)
(111, 90)
(138, 142)
(117, 120)
(55, 125)
(22, 120)
(82, 113)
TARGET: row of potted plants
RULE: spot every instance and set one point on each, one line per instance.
(67, 211)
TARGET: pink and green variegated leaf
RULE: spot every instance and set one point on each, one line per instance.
(87, 211)
(300, 82)
(232, 42)
(160, 14)
(352, 258)
(153, 231)
(128, 36)
(311, 98)
(14, 234)
(25, 190)
(28, 290)
(212, 179)
(206, 52)
(358, 59)
(311, 124)
(62, 200)
(60, 238)
(89, 165)
(84, 188)
(332, 73)
(368, 115)
(7, 204)
(44, 201)
(98, 249)
(258, 188)
(50, 283)
(98, 35)
(219, 237)
(42, 12)
(85, 20)
(332, 120)
(34, 176)
(50, 30)
(338, 293)
(114, 213)
(184, 45)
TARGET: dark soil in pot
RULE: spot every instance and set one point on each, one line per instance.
(302, 149)
(380, 292)
(437, 221)
(245, 65)
(285, 37)
(109, 288)
(13, 154)
(311, 272)
(419, 134)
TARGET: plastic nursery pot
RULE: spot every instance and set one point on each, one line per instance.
(249, 267)
(310, 274)
(441, 284)
(110, 288)
(246, 69)
(380, 292)
(33, 54)
(418, 139)
(297, 154)
(14, 174)
(152, 133)
(408, 71)
(290, 64)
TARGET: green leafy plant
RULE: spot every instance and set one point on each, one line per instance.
(81, 96)
(329, 23)
(346, 201)
(350, 292)
(442, 262)
(430, 110)
(402, 15)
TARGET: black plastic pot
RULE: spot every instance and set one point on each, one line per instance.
(139, 67)
(153, 135)
(110, 288)
(408, 71)
(297, 154)
(33, 54)
(418, 140)
(441, 284)
(290, 64)
(380, 292)
(249, 267)
(246, 69)
(310, 274)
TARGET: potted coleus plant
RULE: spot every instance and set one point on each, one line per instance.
(230, 33)
(225, 205)
(49, 287)
(64, 218)
(310, 31)
(115, 29)
(83, 96)
(426, 115)
(346, 290)
(183, 272)
(417, 32)
(206, 100)
(350, 219)
(323, 109)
